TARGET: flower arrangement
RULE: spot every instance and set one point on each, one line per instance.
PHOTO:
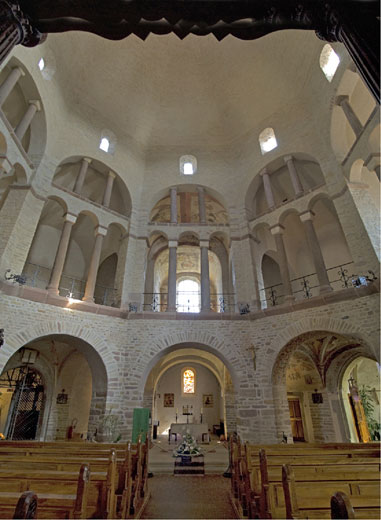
(187, 448)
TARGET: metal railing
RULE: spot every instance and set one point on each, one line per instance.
(340, 277)
(158, 302)
(70, 287)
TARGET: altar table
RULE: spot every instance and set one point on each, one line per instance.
(196, 430)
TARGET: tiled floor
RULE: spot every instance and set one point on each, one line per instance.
(189, 497)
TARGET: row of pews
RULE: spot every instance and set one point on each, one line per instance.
(307, 481)
(72, 480)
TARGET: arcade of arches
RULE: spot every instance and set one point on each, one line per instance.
(238, 285)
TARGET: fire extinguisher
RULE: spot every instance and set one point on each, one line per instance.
(70, 430)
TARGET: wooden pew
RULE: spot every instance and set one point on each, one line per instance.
(341, 507)
(261, 495)
(60, 476)
(308, 494)
(62, 502)
(26, 507)
(132, 466)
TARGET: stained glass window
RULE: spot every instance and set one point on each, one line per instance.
(188, 381)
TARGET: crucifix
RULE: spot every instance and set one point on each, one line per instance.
(253, 355)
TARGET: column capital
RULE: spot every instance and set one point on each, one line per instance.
(70, 217)
(173, 188)
(278, 229)
(264, 171)
(307, 215)
(288, 158)
(111, 174)
(36, 103)
(201, 188)
(339, 100)
(204, 243)
(100, 230)
(87, 159)
(172, 243)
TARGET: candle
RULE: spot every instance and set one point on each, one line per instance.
(201, 409)
(177, 410)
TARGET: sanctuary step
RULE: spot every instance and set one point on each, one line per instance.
(192, 466)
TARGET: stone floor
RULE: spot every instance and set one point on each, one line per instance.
(188, 496)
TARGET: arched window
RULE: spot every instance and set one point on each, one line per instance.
(329, 61)
(188, 165)
(107, 142)
(188, 296)
(104, 144)
(188, 381)
(267, 140)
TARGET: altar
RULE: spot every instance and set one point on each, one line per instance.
(198, 431)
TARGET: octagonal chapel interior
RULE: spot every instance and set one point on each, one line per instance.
(189, 227)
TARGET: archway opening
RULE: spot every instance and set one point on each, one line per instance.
(53, 388)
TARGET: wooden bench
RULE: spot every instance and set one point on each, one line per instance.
(131, 466)
(255, 495)
(307, 493)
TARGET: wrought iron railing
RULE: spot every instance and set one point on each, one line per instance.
(158, 302)
(340, 277)
(39, 276)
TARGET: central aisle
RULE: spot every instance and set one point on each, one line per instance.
(189, 497)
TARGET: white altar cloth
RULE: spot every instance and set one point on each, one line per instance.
(196, 430)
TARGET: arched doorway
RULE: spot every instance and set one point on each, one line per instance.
(212, 400)
(307, 389)
(53, 388)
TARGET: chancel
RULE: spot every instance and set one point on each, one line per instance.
(189, 259)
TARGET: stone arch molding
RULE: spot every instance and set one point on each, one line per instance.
(344, 327)
(196, 339)
(16, 341)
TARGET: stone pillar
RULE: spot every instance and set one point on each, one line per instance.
(59, 261)
(19, 218)
(277, 231)
(201, 204)
(373, 163)
(267, 187)
(108, 190)
(172, 271)
(9, 84)
(343, 102)
(205, 281)
(174, 205)
(81, 176)
(24, 124)
(296, 184)
(100, 233)
(316, 253)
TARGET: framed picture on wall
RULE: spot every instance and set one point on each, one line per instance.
(169, 400)
(207, 400)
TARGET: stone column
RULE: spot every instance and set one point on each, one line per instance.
(267, 187)
(22, 127)
(277, 231)
(343, 102)
(373, 163)
(59, 261)
(296, 184)
(201, 204)
(82, 175)
(316, 253)
(9, 84)
(172, 271)
(174, 205)
(100, 233)
(108, 190)
(205, 281)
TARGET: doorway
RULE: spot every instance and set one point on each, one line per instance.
(296, 419)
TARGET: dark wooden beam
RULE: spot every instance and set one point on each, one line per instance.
(352, 22)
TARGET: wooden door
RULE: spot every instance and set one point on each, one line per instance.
(296, 419)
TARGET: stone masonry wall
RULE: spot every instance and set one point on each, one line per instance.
(131, 348)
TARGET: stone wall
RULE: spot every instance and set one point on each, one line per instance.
(131, 348)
